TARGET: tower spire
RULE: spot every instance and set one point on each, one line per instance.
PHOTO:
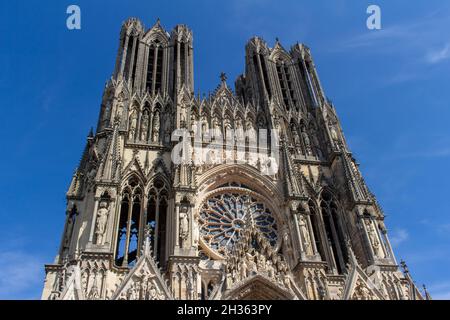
(292, 211)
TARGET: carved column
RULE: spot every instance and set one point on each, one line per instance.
(93, 221)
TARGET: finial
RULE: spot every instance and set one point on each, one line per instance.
(91, 133)
(427, 295)
(404, 266)
(147, 240)
(223, 77)
(277, 39)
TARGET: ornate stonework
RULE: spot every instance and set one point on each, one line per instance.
(242, 219)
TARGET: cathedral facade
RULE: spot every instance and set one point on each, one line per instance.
(249, 193)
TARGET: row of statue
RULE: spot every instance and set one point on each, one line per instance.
(143, 289)
(253, 255)
(144, 133)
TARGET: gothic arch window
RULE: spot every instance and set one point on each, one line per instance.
(334, 232)
(123, 39)
(313, 79)
(156, 218)
(259, 60)
(265, 76)
(285, 81)
(131, 58)
(315, 223)
(307, 87)
(129, 51)
(71, 220)
(155, 64)
(183, 60)
(127, 247)
(174, 72)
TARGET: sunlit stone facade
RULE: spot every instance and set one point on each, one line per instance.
(285, 215)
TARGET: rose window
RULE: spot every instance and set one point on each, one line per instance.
(224, 216)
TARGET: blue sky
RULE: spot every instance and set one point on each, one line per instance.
(390, 88)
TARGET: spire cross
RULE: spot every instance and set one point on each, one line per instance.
(223, 76)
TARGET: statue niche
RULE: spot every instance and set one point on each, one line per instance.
(156, 127)
(102, 220)
(144, 126)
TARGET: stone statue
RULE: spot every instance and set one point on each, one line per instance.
(184, 228)
(229, 279)
(133, 125)
(119, 111)
(212, 157)
(216, 128)
(334, 134)
(296, 137)
(270, 269)
(239, 124)
(144, 126)
(69, 229)
(261, 264)
(102, 219)
(132, 293)
(194, 126)
(362, 293)
(189, 288)
(374, 239)
(305, 233)
(107, 112)
(153, 293)
(243, 270)
(81, 234)
(307, 142)
(156, 127)
(167, 126)
(252, 267)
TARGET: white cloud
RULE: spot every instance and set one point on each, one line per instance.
(20, 275)
(440, 291)
(398, 236)
(415, 42)
(441, 295)
(438, 55)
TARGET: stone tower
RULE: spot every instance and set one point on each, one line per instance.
(251, 194)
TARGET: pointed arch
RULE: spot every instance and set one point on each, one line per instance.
(316, 228)
(285, 76)
(336, 237)
(156, 54)
(127, 238)
(156, 216)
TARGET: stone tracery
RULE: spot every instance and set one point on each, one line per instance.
(292, 236)
(224, 216)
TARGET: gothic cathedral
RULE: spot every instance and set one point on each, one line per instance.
(285, 214)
